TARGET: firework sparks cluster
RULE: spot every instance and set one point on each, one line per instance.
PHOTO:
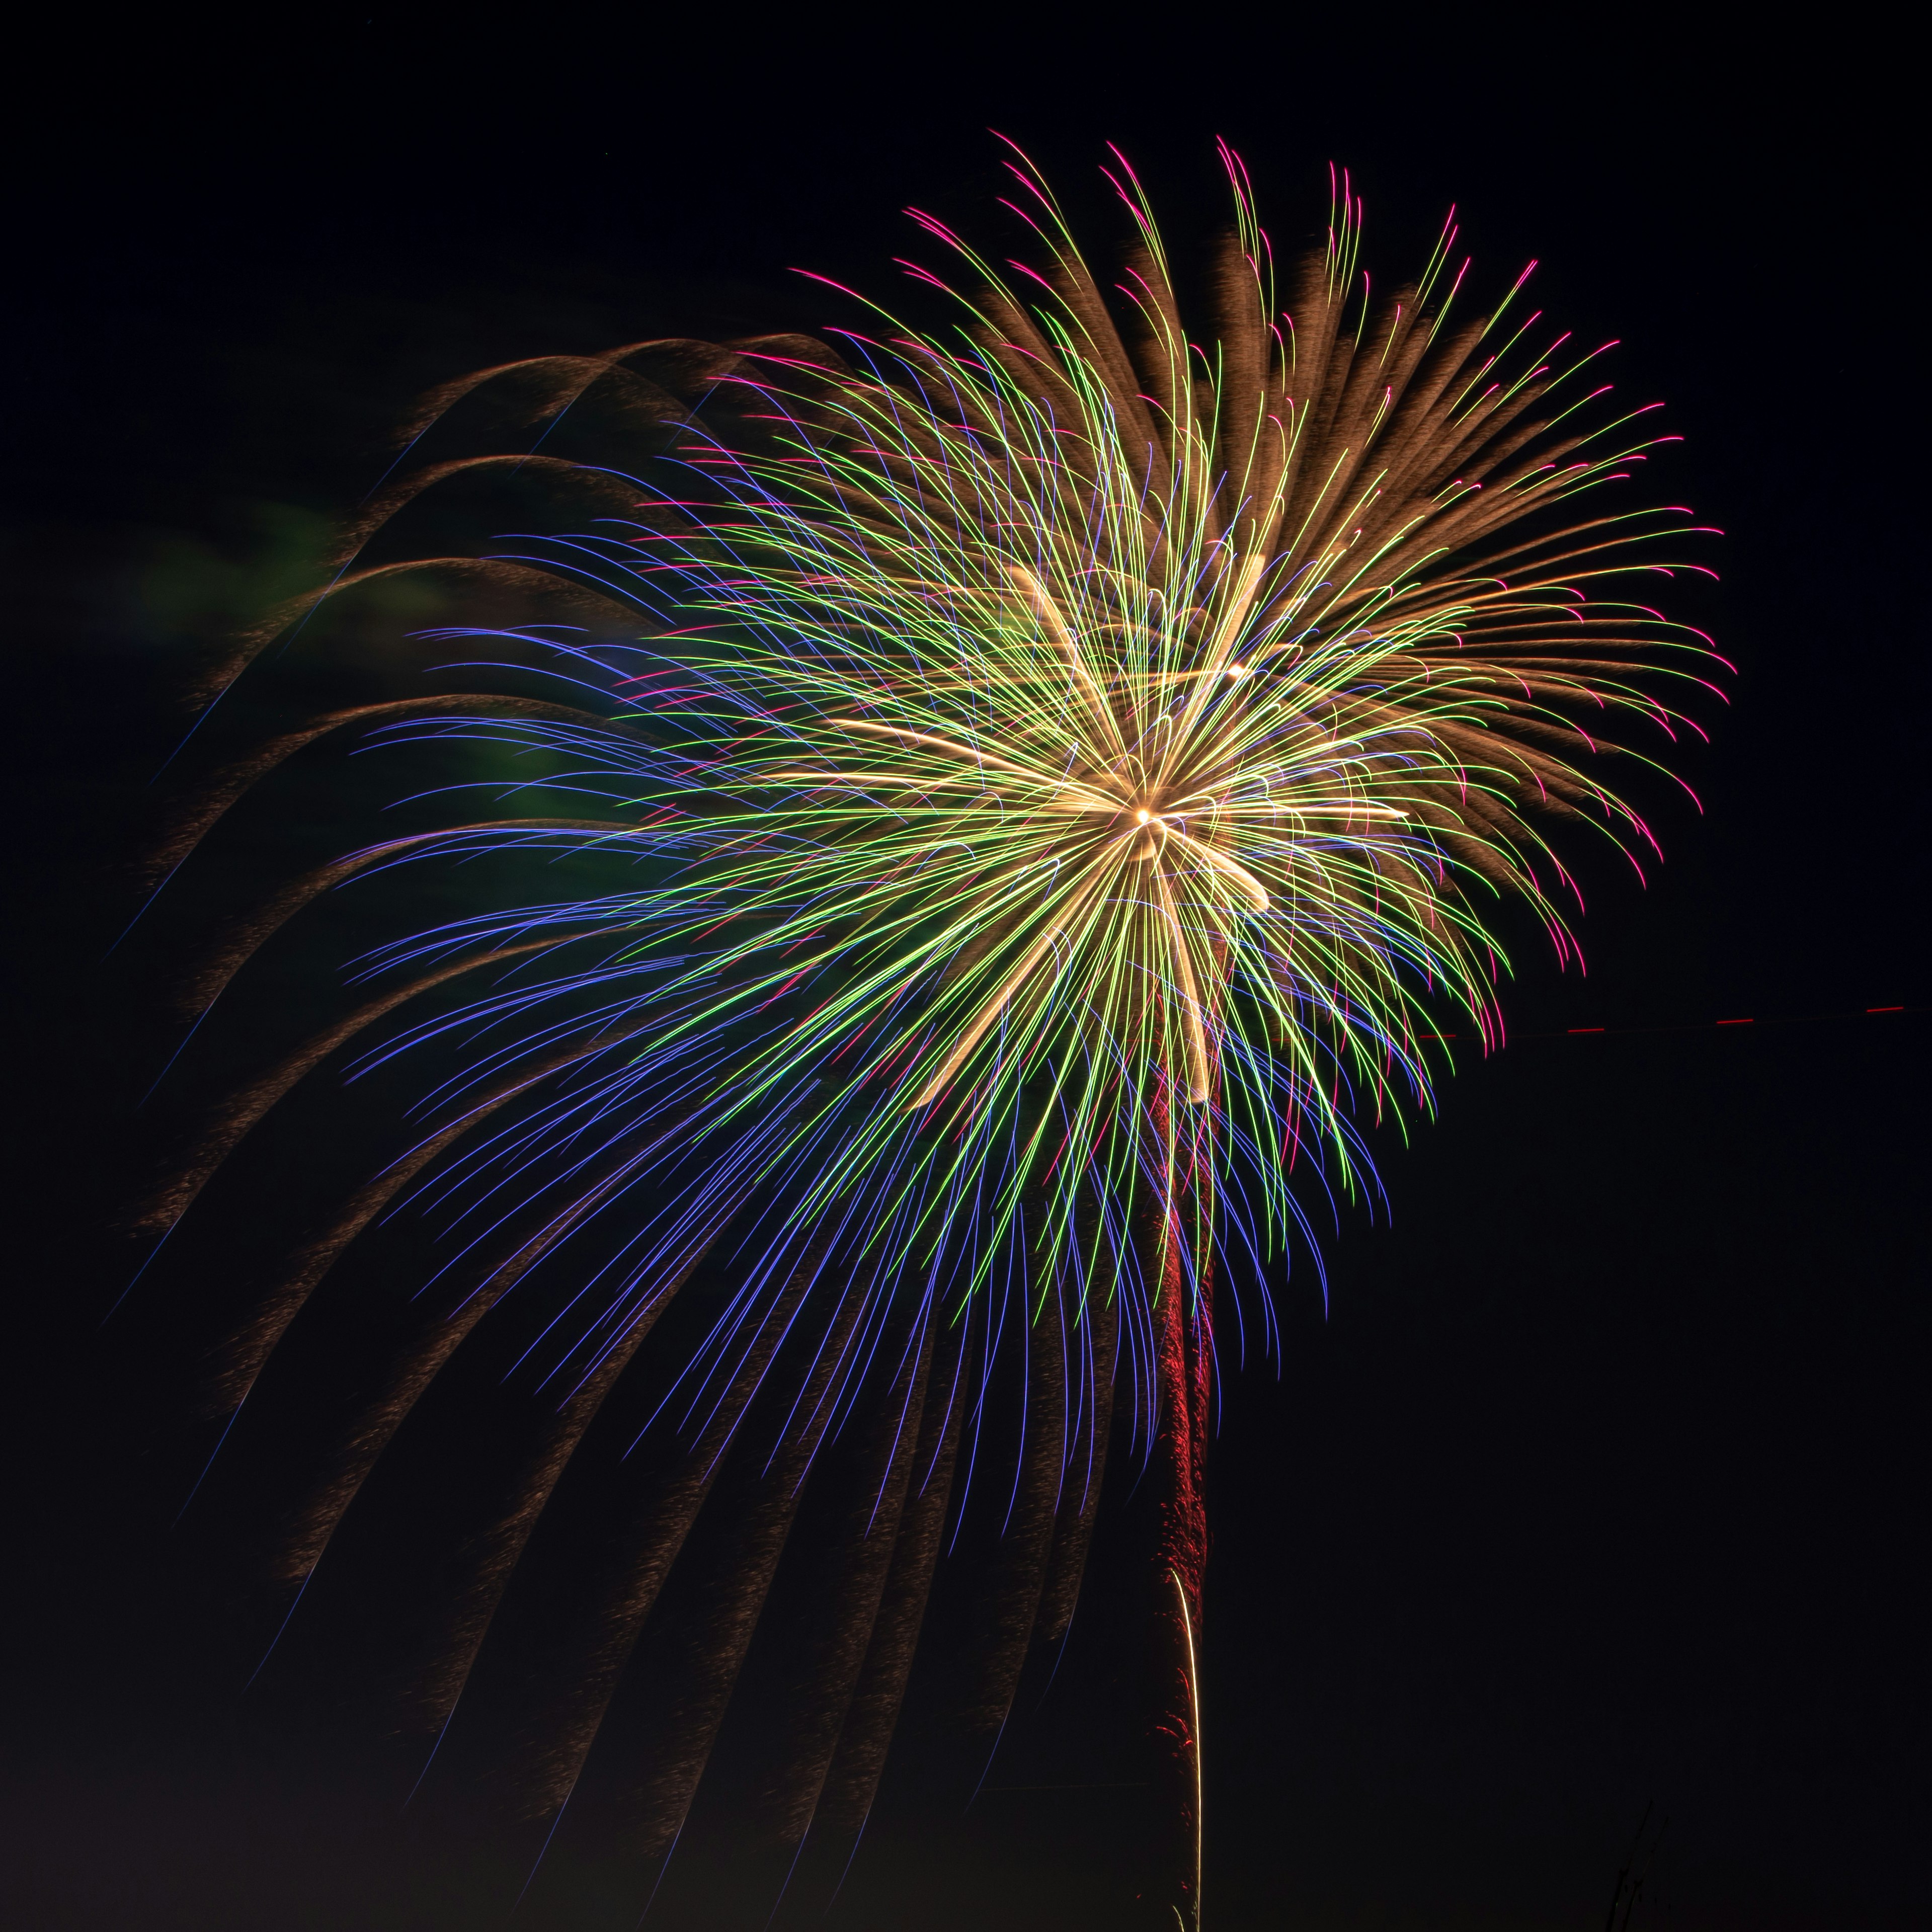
(1063, 786)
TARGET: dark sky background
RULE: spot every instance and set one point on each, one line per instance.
(1603, 1481)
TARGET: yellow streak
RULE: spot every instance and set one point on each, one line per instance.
(1190, 996)
(1227, 632)
(1069, 798)
(1290, 808)
(1054, 781)
(1062, 639)
(1011, 984)
(1194, 1701)
(1241, 601)
(1257, 893)
(970, 754)
(911, 783)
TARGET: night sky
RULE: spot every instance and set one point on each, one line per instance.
(1602, 1482)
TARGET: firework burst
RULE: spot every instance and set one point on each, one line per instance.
(1060, 791)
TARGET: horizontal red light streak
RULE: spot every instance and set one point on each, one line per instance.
(1696, 1026)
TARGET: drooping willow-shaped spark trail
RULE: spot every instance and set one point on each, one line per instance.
(1061, 784)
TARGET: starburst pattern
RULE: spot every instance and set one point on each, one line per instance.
(1061, 790)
